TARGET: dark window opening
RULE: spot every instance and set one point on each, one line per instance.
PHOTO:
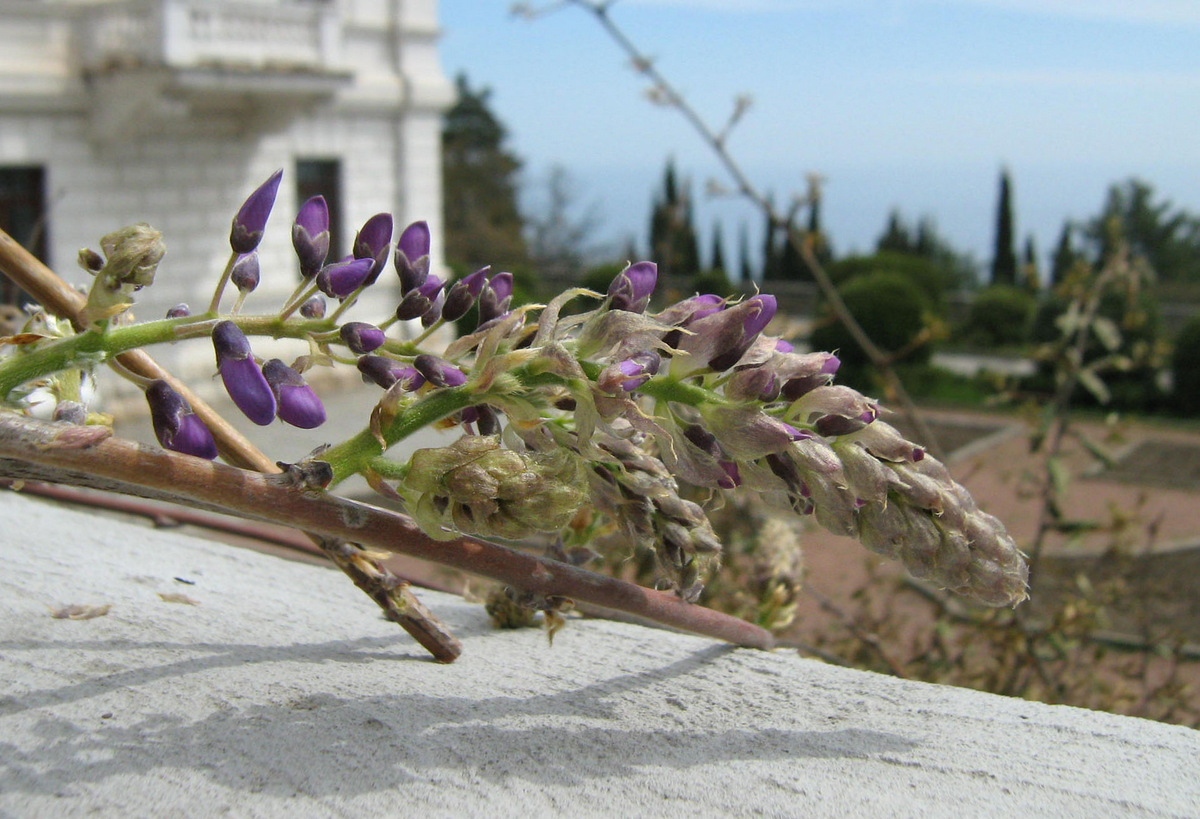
(23, 217)
(324, 177)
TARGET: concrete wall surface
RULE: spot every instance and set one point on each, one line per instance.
(280, 691)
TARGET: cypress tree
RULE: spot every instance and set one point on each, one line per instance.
(1031, 275)
(770, 264)
(896, 236)
(1064, 255)
(746, 269)
(1004, 259)
(717, 259)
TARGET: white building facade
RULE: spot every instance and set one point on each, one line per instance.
(172, 111)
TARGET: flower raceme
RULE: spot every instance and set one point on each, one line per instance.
(609, 419)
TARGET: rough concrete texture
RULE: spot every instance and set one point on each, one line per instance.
(282, 692)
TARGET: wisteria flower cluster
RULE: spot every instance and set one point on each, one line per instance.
(616, 417)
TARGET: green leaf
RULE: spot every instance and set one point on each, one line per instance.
(1093, 384)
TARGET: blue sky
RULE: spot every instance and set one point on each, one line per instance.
(909, 104)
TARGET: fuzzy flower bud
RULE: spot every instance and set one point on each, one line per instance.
(297, 404)
(251, 218)
(476, 487)
(175, 425)
(310, 236)
(241, 375)
(632, 288)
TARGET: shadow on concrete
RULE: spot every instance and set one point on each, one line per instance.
(338, 743)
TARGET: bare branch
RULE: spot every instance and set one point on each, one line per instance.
(60, 453)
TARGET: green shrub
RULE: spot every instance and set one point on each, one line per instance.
(890, 308)
(999, 316)
(934, 281)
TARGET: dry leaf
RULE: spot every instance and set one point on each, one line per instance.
(175, 597)
(79, 612)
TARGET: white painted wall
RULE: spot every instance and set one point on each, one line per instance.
(181, 144)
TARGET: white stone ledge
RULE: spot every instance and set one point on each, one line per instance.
(284, 693)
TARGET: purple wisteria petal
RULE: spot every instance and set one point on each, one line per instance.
(361, 337)
(310, 236)
(495, 298)
(632, 288)
(414, 242)
(245, 273)
(340, 279)
(419, 301)
(374, 242)
(297, 404)
(241, 375)
(439, 372)
(462, 295)
(251, 218)
(175, 425)
(314, 308)
(386, 372)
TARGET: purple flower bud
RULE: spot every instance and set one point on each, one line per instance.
(180, 310)
(633, 286)
(628, 375)
(830, 425)
(385, 372)
(241, 375)
(361, 337)
(495, 298)
(733, 478)
(431, 316)
(374, 242)
(439, 372)
(486, 420)
(754, 315)
(758, 320)
(340, 279)
(418, 301)
(175, 425)
(251, 219)
(245, 273)
(414, 241)
(298, 405)
(314, 308)
(310, 236)
(462, 295)
(782, 346)
(412, 256)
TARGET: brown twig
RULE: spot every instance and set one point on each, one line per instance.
(60, 453)
(391, 592)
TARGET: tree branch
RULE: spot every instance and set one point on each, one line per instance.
(82, 456)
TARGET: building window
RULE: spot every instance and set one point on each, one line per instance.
(324, 177)
(23, 217)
